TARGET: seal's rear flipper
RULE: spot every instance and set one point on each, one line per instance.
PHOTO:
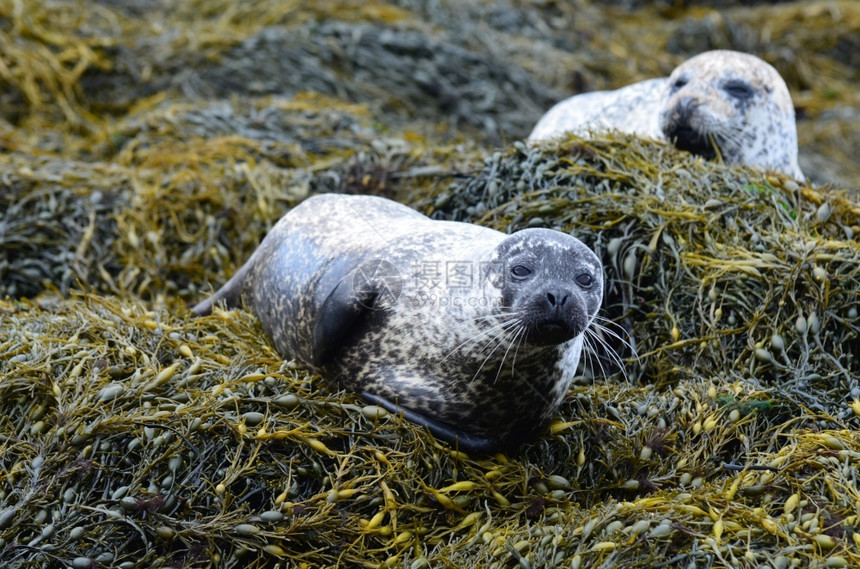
(229, 294)
(452, 435)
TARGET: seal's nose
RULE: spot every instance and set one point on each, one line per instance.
(681, 129)
(556, 300)
(554, 316)
(683, 112)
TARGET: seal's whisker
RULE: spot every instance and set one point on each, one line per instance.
(729, 141)
(505, 355)
(518, 338)
(487, 334)
(587, 357)
(498, 317)
(594, 330)
(495, 346)
(610, 332)
(591, 355)
(590, 337)
(601, 328)
(513, 334)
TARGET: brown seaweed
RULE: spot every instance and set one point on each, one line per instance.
(134, 175)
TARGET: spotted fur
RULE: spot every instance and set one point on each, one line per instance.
(450, 349)
(729, 99)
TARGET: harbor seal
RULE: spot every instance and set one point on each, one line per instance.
(718, 103)
(471, 332)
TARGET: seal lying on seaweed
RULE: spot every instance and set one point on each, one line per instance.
(721, 102)
(468, 331)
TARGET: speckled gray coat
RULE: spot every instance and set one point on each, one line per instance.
(419, 313)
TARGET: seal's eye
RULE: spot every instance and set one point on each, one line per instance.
(738, 89)
(679, 82)
(585, 280)
(521, 271)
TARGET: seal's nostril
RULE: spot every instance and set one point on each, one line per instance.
(551, 298)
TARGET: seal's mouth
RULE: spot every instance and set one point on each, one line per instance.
(684, 137)
(551, 333)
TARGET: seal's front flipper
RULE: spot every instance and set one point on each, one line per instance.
(452, 435)
(338, 318)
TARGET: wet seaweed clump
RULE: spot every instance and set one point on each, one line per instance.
(186, 192)
(132, 437)
(57, 228)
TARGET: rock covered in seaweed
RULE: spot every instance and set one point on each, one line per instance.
(705, 264)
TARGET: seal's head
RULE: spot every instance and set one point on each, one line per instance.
(732, 104)
(551, 281)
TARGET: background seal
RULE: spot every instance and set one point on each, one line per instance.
(718, 103)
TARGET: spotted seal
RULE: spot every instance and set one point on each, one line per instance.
(720, 102)
(471, 332)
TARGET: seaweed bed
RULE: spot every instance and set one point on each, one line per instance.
(148, 146)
